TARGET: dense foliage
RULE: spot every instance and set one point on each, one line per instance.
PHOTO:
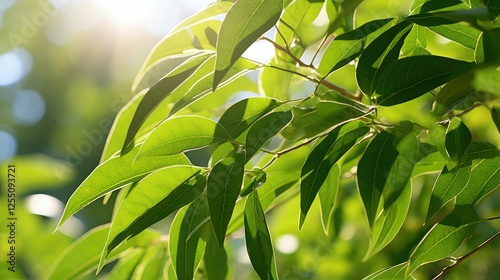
(348, 112)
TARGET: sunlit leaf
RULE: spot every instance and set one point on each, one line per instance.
(495, 115)
(113, 174)
(463, 34)
(258, 240)
(480, 150)
(245, 22)
(183, 133)
(83, 255)
(397, 272)
(484, 179)
(125, 267)
(410, 77)
(264, 129)
(388, 224)
(214, 9)
(327, 195)
(186, 245)
(416, 42)
(258, 178)
(457, 141)
(347, 46)
(386, 166)
(152, 199)
(453, 93)
(431, 163)
(380, 53)
(444, 238)
(322, 158)
(215, 258)
(223, 187)
(152, 263)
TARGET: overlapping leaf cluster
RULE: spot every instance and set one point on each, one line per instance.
(271, 147)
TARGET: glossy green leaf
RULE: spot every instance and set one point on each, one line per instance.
(240, 116)
(397, 272)
(152, 199)
(245, 22)
(257, 179)
(199, 84)
(223, 187)
(453, 93)
(264, 129)
(389, 222)
(411, 77)
(216, 260)
(322, 158)
(183, 133)
(113, 174)
(157, 93)
(415, 42)
(380, 53)
(258, 240)
(484, 179)
(457, 141)
(463, 34)
(495, 115)
(347, 46)
(444, 238)
(431, 163)
(83, 255)
(186, 245)
(386, 166)
(327, 195)
(276, 83)
(126, 266)
(214, 9)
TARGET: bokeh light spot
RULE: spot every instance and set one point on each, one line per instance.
(9, 145)
(287, 244)
(28, 107)
(11, 69)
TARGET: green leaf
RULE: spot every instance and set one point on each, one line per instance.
(214, 9)
(152, 199)
(113, 174)
(258, 240)
(327, 195)
(240, 116)
(454, 93)
(223, 187)
(448, 185)
(216, 260)
(457, 141)
(397, 272)
(484, 179)
(444, 238)
(258, 178)
(126, 266)
(380, 53)
(186, 245)
(431, 163)
(322, 158)
(480, 150)
(264, 129)
(152, 264)
(245, 22)
(183, 133)
(386, 166)
(388, 224)
(347, 46)
(157, 93)
(465, 35)
(415, 42)
(495, 115)
(411, 77)
(276, 83)
(83, 255)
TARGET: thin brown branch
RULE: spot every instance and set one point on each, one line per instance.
(287, 51)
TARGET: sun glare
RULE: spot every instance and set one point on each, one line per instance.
(124, 12)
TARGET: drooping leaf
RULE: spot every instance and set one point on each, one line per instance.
(157, 93)
(240, 116)
(264, 129)
(484, 179)
(152, 199)
(327, 195)
(386, 166)
(113, 174)
(397, 272)
(388, 224)
(83, 255)
(125, 267)
(322, 159)
(347, 46)
(152, 264)
(258, 178)
(186, 244)
(183, 133)
(223, 187)
(495, 115)
(444, 238)
(380, 53)
(411, 77)
(457, 141)
(448, 185)
(245, 22)
(215, 258)
(258, 240)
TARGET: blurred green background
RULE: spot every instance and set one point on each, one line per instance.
(66, 67)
